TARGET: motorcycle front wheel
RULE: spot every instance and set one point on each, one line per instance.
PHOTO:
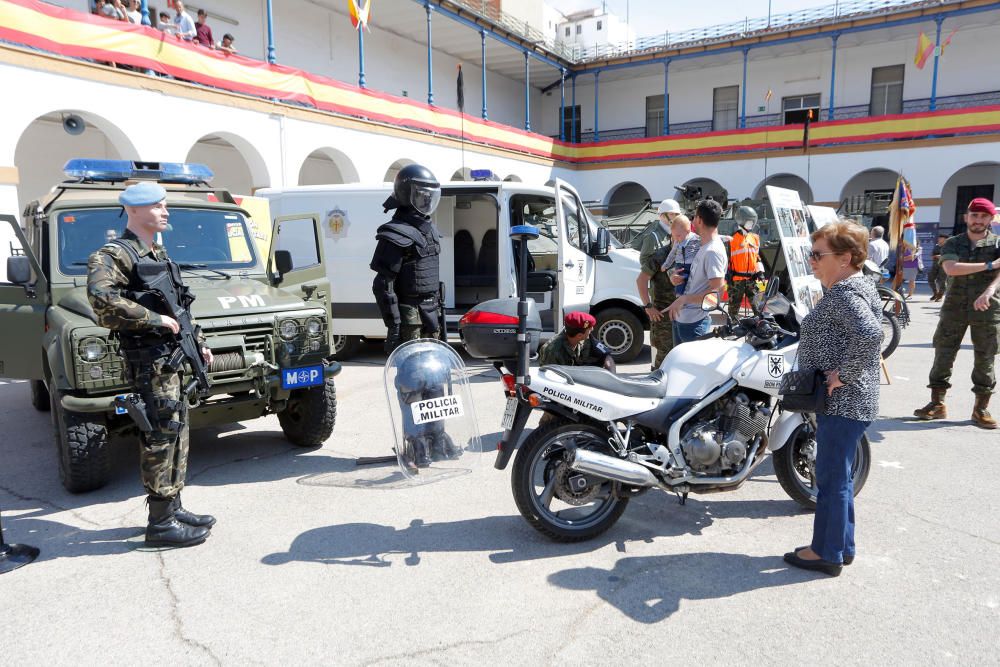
(794, 465)
(562, 504)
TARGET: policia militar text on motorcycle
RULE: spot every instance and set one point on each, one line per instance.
(136, 292)
(407, 258)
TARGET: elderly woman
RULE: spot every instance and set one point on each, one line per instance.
(842, 338)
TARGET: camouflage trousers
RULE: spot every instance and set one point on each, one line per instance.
(937, 278)
(411, 326)
(737, 290)
(947, 341)
(661, 335)
(164, 455)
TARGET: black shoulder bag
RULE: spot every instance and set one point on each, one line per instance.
(803, 391)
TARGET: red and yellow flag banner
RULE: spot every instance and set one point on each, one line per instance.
(925, 49)
(70, 33)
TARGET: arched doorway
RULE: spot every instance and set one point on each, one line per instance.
(625, 198)
(390, 173)
(326, 166)
(237, 165)
(50, 140)
(981, 179)
(787, 181)
(867, 195)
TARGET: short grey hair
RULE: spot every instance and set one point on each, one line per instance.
(878, 231)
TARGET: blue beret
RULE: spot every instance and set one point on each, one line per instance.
(142, 194)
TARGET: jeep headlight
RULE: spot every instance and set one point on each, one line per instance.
(314, 326)
(93, 349)
(288, 329)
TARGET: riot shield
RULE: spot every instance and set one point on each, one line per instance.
(433, 416)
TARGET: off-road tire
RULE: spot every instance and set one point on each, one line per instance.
(625, 331)
(83, 447)
(40, 396)
(345, 347)
(521, 484)
(791, 481)
(893, 334)
(310, 415)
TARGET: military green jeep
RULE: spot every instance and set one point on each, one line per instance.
(267, 322)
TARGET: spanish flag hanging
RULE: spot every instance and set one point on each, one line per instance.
(925, 49)
(360, 12)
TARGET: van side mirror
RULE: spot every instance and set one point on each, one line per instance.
(283, 261)
(18, 270)
(599, 248)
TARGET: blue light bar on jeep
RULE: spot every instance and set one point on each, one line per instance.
(111, 171)
(483, 175)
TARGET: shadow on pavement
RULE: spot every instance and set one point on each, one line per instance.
(58, 540)
(509, 539)
(648, 589)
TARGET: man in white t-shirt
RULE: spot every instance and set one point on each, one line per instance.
(878, 249)
(708, 273)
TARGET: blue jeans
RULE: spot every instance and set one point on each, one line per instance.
(686, 332)
(837, 441)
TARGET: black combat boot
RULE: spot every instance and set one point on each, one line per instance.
(196, 520)
(164, 530)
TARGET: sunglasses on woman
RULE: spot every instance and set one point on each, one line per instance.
(815, 256)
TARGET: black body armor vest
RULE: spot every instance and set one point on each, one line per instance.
(421, 244)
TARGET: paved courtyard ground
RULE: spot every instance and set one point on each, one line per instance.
(307, 566)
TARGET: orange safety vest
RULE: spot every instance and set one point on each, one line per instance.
(744, 254)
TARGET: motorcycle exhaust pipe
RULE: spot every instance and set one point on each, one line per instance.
(609, 467)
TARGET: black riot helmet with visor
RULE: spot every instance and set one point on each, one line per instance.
(746, 218)
(416, 187)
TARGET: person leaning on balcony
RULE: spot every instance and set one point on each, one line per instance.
(226, 45)
(203, 31)
(165, 25)
(972, 262)
(133, 12)
(185, 24)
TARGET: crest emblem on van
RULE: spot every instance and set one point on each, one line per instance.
(775, 365)
(337, 223)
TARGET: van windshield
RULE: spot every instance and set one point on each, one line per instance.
(216, 238)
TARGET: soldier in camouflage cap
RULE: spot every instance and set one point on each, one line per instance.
(146, 343)
(972, 261)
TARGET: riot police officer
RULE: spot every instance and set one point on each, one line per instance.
(406, 259)
(147, 342)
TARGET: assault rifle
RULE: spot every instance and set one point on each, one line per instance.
(166, 294)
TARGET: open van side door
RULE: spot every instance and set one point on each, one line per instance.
(576, 267)
(22, 313)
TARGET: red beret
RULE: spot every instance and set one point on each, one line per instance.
(982, 205)
(579, 320)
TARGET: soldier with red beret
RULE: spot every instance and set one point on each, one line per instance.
(575, 345)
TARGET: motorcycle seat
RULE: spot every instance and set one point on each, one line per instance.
(652, 385)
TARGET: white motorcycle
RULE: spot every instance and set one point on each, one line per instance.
(701, 423)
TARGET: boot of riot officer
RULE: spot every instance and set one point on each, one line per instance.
(406, 259)
(423, 375)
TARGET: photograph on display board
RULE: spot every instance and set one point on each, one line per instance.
(796, 245)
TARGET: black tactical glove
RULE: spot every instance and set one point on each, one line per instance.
(391, 339)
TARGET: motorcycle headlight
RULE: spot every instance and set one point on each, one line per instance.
(314, 326)
(93, 349)
(288, 329)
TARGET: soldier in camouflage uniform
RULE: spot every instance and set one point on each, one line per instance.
(972, 261)
(652, 265)
(575, 346)
(146, 343)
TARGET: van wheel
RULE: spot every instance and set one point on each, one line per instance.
(39, 396)
(621, 332)
(83, 446)
(345, 347)
(310, 415)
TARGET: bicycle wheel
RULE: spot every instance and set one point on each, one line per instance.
(891, 334)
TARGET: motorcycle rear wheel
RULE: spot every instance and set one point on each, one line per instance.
(541, 481)
(792, 467)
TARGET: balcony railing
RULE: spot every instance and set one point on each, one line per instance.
(991, 98)
(577, 54)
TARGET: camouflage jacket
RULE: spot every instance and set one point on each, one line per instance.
(108, 272)
(661, 290)
(964, 290)
(557, 352)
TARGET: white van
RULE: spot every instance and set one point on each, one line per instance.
(567, 271)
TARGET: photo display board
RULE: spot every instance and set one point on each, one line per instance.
(793, 228)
